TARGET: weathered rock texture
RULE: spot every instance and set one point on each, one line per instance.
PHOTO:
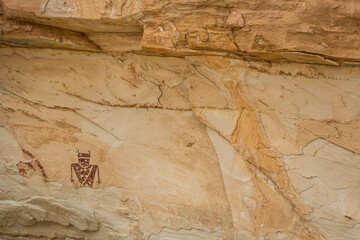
(205, 119)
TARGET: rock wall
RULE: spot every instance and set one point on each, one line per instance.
(179, 119)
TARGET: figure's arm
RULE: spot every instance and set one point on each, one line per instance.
(98, 172)
(71, 170)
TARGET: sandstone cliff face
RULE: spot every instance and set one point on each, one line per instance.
(200, 119)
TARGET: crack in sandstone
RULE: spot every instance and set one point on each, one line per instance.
(45, 6)
(2, 42)
(107, 104)
(212, 82)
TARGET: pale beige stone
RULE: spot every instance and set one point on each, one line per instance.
(332, 186)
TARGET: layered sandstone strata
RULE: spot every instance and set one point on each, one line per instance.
(179, 119)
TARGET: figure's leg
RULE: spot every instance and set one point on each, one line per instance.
(98, 173)
(71, 170)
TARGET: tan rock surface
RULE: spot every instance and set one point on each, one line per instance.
(190, 134)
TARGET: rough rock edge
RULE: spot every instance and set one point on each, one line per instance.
(149, 22)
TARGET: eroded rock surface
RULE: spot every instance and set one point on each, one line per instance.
(162, 120)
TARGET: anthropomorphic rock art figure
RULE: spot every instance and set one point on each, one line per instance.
(85, 172)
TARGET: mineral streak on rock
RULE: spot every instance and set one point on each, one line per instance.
(203, 119)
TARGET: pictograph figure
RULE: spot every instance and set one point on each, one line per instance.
(34, 165)
(85, 172)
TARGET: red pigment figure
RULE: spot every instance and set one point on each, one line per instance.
(85, 172)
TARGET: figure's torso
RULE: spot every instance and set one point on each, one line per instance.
(85, 175)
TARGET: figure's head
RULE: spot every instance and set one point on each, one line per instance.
(84, 159)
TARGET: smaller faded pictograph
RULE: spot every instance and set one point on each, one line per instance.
(85, 172)
(25, 168)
